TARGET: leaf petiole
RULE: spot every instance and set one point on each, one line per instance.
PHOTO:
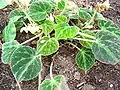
(86, 35)
(87, 40)
(91, 20)
(32, 38)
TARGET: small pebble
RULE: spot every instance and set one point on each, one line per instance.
(111, 85)
(77, 75)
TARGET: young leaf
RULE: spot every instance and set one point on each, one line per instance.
(39, 10)
(9, 33)
(46, 85)
(15, 19)
(8, 49)
(50, 84)
(87, 14)
(61, 19)
(3, 3)
(63, 31)
(109, 26)
(61, 5)
(47, 46)
(107, 47)
(84, 14)
(47, 26)
(85, 59)
(86, 43)
(15, 14)
(63, 84)
(25, 64)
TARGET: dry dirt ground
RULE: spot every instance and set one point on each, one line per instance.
(100, 77)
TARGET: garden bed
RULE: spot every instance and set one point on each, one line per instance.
(99, 77)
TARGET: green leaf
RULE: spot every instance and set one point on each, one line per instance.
(39, 10)
(107, 47)
(61, 5)
(3, 3)
(9, 33)
(86, 43)
(109, 26)
(50, 84)
(87, 14)
(47, 26)
(61, 19)
(17, 14)
(63, 31)
(7, 50)
(46, 85)
(15, 19)
(47, 46)
(71, 15)
(85, 59)
(25, 64)
(84, 14)
(62, 85)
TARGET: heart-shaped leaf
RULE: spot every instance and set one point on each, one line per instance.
(61, 5)
(14, 15)
(47, 46)
(107, 47)
(61, 19)
(87, 14)
(47, 26)
(3, 3)
(84, 14)
(109, 26)
(62, 83)
(25, 64)
(8, 49)
(39, 10)
(9, 33)
(50, 84)
(63, 31)
(86, 43)
(85, 59)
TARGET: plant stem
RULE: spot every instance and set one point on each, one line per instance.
(28, 17)
(86, 35)
(73, 45)
(91, 20)
(51, 76)
(32, 39)
(18, 85)
(85, 40)
(66, 2)
(39, 80)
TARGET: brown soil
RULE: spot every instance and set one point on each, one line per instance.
(99, 77)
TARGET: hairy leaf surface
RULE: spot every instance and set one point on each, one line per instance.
(47, 46)
(50, 84)
(85, 59)
(86, 43)
(47, 26)
(64, 31)
(109, 26)
(61, 19)
(107, 47)
(61, 5)
(15, 14)
(25, 64)
(39, 10)
(9, 33)
(7, 50)
(87, 14)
